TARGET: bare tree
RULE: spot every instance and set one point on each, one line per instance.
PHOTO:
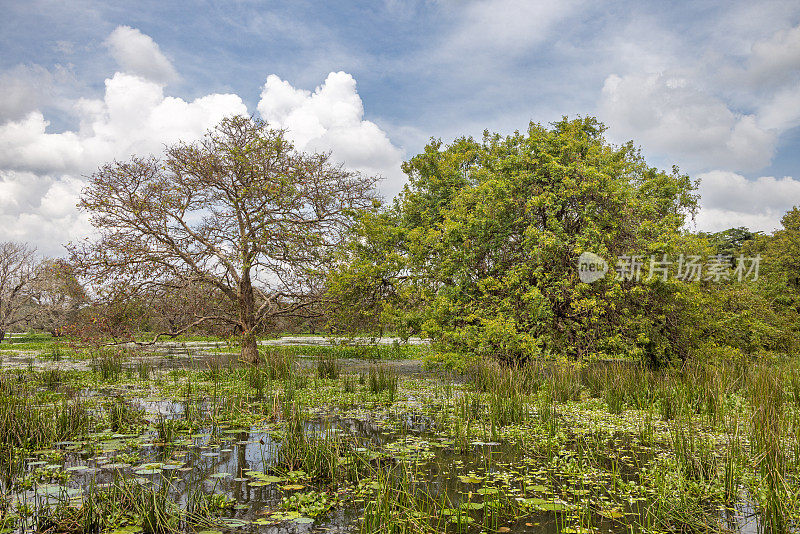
(55, 295)
(16, 274)
(241, 210)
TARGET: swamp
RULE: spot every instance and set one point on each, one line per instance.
(376, 439)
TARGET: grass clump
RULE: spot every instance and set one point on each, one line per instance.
(107, 365)
(381, 379)
(122, 417)
(279, 364)
(328, 367)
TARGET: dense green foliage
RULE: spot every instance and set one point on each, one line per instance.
(480, 253)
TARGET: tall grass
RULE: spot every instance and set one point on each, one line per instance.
(28, 424)
(150, 509)
(256, 379)
(324, 456)
(767, 431)
(121, 416)
(405, 503)
(279, 364)
(107, 365)
(25, 423)
(328, 367)
(382, 378)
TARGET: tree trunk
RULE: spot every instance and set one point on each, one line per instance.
(250, 348)
(2, 335)
(247, 319)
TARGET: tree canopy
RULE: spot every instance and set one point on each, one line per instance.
(480, 250)
(240, 213)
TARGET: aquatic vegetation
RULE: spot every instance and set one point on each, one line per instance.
(328, 367)
(601, 447)
(166, 430)
(107, 364)
(122, 417)
(308, 504)
(257, 381)
(279, 364)
(343, 351)
(143, 369)
(26, 423)
(381, 378)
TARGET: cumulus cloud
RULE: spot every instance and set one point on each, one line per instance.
(41, 172)
(510, 26)
(782, 111)
(137, 53)
(41, 210)
(331, 119)
(729, 116)
(777, 58)
(729, 199)
(134, 117)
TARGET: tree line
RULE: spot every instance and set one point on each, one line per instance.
(239, 233)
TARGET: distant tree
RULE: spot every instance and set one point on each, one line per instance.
(17, 267)
(178, 303)
(370, 288)
(240, 211)
(55, 296)
(783, 249)
(779, 274)
(758, 313)
(730, 242)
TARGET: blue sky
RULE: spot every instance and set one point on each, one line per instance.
(713, 87)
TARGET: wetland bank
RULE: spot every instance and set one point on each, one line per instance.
(314, 443)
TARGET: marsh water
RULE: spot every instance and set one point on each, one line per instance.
(219, 460)
(238, 462)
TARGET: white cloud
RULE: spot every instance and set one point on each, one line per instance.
(717, 220)
(23, 87)
(720, 104)
(41, 210)
(730, 200)
(510, 26)
(711, 111)
(133, 118)
(777, 58)
(137, 53)
(670, 115)
(331, 119)
(41, 172)
(782, 111)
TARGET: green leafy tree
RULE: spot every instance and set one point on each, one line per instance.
(782, 253)
(731, 242)
(484, 243)
(766, 312)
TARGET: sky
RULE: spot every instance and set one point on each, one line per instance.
(712, 87)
